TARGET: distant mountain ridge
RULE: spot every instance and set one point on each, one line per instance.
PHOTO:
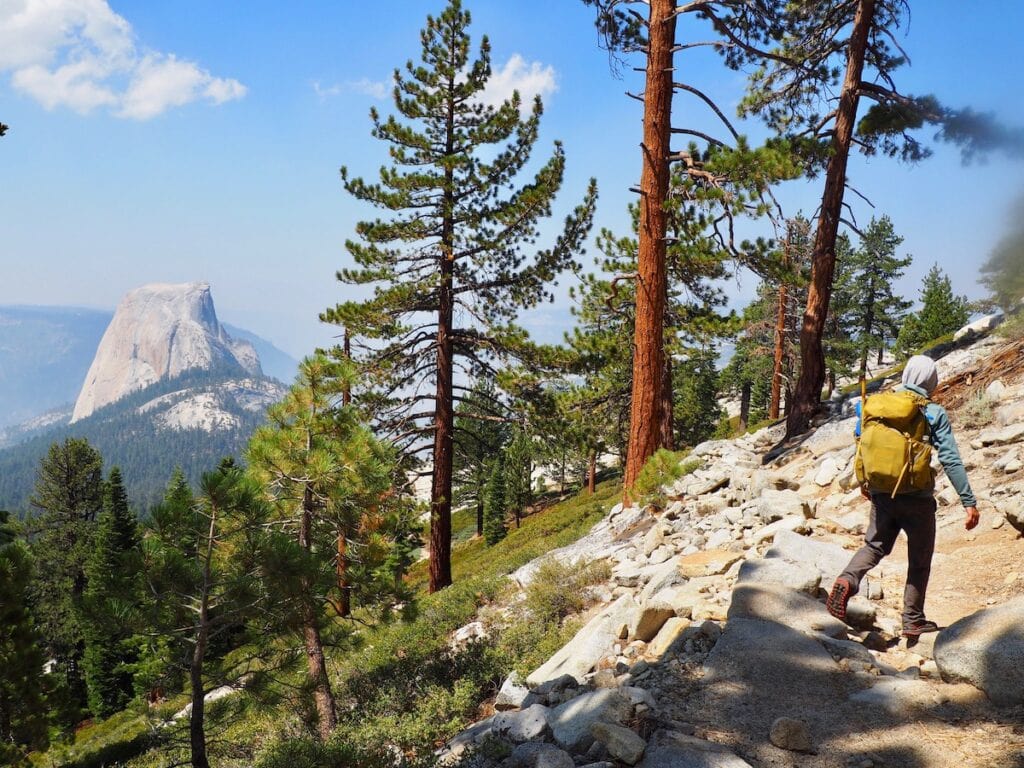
(44, 354)
(158, 385)
(46, 351)
(158, 332)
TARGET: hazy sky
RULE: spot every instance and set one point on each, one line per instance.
(195, 140)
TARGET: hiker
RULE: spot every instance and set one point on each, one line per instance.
(900, 484)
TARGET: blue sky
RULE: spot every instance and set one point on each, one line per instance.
(191, 140)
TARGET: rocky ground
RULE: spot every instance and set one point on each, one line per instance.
(711, 647)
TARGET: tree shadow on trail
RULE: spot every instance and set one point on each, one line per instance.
(763, 670)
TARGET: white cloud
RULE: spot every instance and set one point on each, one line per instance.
(161, 81)
(533, 79)
(375, 89)
(80, 54)
(326, 91)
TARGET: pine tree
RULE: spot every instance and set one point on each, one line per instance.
(205, 564)
(942, 312)
(825, 59)
(697, 412)
(23, 707)
(518, 456)
(876, 313)
(722, 171)
(112, 582)
(331, 485)
(480, 433)
(452, 248)
(496, 505)
(69, 495)
(839, 342)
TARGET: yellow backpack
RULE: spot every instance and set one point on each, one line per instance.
(894, 454)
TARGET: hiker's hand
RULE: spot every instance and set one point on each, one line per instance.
(865, 492)
(973, 516)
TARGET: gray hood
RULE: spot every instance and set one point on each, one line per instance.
(921, 372)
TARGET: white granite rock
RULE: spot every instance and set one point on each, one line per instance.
(159, 331)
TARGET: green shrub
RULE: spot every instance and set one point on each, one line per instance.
(560, 589)
(311, 753)
(1013, 327)
(110, 742)
(976, 412)
(662, 469)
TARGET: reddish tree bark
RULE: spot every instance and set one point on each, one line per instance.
(316, 663)
(344, 606)
(651, 282)
(591, 474)
(780, 341)
(444, 407)
(807, 396)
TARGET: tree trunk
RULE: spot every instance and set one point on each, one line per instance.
(196, 721)
(196, 729)
(444, 409)
(745, 406)
(780, 353)
(881, 353)
(480, 512)
(823, 261)
(592, 472)
(667, 439)
(316, 664)
(648, 348)
(346, 349)
(344, 592)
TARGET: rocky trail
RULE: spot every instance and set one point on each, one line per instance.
(710, 646)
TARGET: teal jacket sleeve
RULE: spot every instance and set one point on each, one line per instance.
(949, 454)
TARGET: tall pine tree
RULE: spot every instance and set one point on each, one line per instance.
(69, 497)
(876, 311)
(331, 485)
(496, 504)
(942, 312)
(449, 265)
(112, 582)
(825, 59)
(480, 433)
(23, 706)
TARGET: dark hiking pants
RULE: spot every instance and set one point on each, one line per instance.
(915, 516)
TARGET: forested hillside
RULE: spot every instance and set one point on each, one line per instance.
(446, 543)
(133, 439)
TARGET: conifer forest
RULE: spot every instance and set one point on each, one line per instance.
(285, 593)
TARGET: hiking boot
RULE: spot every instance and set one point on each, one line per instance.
(919, 627)
(840, 595)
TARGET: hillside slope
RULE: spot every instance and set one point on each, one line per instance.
(713, 646)
(191, 422)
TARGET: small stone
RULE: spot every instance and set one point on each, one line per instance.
(512, 694)
(524, 725)
(997, 523)
(1013, 465)
(538, 755)
(790, 734)
(621, 743)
